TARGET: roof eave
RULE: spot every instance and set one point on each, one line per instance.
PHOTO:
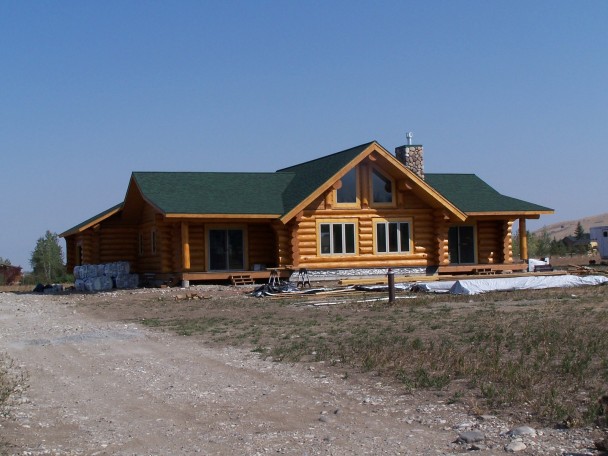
(79, 229)
(223, 216)
(518, 214)
(143, 195)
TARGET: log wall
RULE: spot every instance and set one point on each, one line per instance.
(262, 245)
(494, 243)
(304, 234)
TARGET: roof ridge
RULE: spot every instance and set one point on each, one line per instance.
(452, 174)
(205, 172)
(325, 156)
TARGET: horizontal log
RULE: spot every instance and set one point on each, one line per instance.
(306, 246)
(307, 238)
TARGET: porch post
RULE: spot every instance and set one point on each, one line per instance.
(523, 240)
(185, 247)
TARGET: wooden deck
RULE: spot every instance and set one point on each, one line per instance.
(172, 279)
(242, 277)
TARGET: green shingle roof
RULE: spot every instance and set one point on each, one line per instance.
(241, 193)
(214, 193)
(99, 216)
(309, 176)
(471, 194)
(279, 193)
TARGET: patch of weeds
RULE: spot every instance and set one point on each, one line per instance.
(455, 398)
(258, 349)
(13, 382)
(152, 322)
(417, 344)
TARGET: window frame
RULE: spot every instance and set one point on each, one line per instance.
(332, 223)
(350, 204)
(382, 174)
(386, 223)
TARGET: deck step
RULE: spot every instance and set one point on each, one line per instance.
(243, 279)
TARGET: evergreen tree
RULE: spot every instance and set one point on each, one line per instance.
(558, 248)
(579, 232)
(47, 259)
(543, 245)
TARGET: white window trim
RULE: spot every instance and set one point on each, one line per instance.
(332, 223)
(386, 222)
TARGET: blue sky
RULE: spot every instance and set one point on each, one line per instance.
(514, 91)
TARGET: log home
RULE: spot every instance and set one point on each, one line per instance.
(359, 209)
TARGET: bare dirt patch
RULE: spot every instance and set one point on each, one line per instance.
(143, 373)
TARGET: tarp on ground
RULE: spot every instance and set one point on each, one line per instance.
(471, 287)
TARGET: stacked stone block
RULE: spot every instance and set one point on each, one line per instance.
(412, 157)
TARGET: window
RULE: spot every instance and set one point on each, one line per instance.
(382, 188)
(347, 194)
(337, 238)
(392, 237)
(153, 241)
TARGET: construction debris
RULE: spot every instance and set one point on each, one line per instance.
(467, 286)
(189, 297)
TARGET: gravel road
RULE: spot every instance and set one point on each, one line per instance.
(99, 387)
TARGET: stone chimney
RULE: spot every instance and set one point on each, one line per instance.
(412, 157)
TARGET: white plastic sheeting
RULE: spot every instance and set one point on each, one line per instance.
(471, 287)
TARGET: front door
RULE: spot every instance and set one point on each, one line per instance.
(226, 250)
(461, 243)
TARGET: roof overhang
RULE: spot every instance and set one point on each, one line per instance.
(223, 216)
(511, 214)
(93, 221)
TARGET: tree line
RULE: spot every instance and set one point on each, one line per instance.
(541, 245)
(46, 261)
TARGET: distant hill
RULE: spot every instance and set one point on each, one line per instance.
(562, 229)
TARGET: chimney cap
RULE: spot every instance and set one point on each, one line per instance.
(409, 135)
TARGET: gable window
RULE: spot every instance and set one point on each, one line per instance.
(382, 188)
(392, 236)
(337, 238)
(347, 194)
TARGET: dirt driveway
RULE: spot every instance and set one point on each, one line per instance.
(109, 387)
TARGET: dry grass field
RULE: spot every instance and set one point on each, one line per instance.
(541, 356)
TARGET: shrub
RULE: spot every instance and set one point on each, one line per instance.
(13, 381)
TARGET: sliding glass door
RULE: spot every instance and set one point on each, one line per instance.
(226, 250)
